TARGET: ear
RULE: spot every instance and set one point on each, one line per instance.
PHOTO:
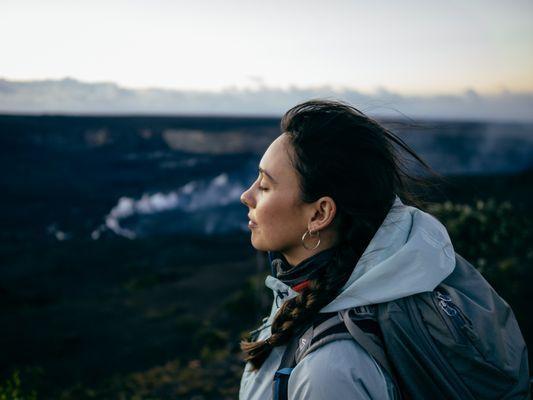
(323, 213)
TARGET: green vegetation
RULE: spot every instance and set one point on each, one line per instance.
(12, 389)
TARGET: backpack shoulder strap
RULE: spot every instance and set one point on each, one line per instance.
(374, 349)
(328, 328)
(317, 336)
(295, 350)
(281, 377)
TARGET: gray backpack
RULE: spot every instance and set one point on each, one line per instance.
(460, 341)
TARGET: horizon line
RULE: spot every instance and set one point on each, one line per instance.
(266, 87)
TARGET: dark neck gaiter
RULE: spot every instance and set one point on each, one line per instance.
(298, 276)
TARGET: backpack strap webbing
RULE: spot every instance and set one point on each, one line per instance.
(280, 388)
(299, 343)
(287, 364)
(329, 329)
(366, 342)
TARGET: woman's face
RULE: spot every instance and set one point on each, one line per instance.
(278, 217)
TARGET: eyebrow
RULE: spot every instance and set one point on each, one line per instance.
(263, 171)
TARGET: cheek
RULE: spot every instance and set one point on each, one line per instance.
(280, 214)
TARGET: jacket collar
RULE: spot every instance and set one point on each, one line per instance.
(307, 269)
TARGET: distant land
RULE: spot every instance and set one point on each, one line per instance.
(71, 96)
(140, 176)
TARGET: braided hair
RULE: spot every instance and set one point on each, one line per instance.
(339, 152)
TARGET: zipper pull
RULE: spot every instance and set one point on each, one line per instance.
(443, 296)
(445, 302)
(450, 311)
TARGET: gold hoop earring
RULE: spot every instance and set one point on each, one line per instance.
(311, 235)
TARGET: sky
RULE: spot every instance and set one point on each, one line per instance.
(412, 47)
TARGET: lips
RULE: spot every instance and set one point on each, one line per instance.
(251, 222)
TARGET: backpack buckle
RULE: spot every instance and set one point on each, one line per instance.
(364, 312)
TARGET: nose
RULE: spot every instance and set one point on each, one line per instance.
(246, 198)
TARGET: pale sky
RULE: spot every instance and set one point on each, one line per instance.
(410, 47)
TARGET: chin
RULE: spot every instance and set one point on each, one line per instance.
(259, 245)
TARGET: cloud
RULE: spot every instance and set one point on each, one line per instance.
(70, 96)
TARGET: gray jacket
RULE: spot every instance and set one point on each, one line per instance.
(410, 253)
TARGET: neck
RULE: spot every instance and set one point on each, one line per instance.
(297, 254)
(305, 270)
(296, 257)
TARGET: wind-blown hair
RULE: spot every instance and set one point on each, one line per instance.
(339, 152)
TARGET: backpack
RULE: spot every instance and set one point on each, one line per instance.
(460, 341)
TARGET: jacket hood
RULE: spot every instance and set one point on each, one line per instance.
(410, 253)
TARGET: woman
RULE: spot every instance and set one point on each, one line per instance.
(327, 208)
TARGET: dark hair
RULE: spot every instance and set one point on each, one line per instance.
(342, 153)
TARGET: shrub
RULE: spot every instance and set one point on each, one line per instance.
(11, 389)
